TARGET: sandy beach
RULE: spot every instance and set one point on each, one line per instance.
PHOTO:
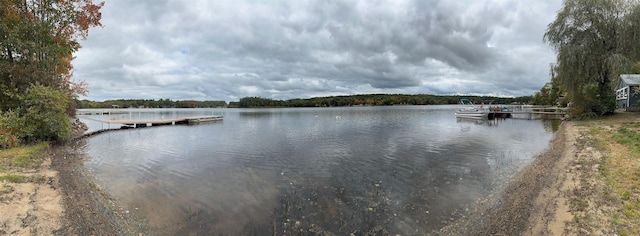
(32, 208)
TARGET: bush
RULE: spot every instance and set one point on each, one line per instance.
(41, 116)
(10, 123)
(45, 114)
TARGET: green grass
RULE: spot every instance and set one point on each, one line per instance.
(25, 157)
(629, 135)
(620, 173)
(16, 178)
(12, 178)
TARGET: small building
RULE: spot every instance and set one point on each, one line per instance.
(628, 92)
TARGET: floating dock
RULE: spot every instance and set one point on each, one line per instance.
(529, 113)
(170, 121)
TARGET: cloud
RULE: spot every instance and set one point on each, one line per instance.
(226, 50)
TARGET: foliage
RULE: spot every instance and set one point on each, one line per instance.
(10, 123)
(259, 102)
(551, 94)
(636, 68)
(38, 39)
(371, 100)
(40, 116)
(352, 100)
(44, 113)
(594, 44)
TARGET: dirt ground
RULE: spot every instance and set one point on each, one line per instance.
(61, 199)
(34, 207)
(535, 202)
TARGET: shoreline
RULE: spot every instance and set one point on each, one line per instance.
(88, 210)
(59, 197)
(532, 203)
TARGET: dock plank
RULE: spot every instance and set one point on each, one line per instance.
(177, 120)
(171, 120)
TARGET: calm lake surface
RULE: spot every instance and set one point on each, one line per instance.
(407, 170)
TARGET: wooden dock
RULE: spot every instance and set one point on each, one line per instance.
(132, 123)
(530, 112)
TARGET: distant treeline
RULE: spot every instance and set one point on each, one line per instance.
(334, 101)
(373, 100)
(149, 103)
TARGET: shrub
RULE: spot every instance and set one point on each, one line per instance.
(41, 116)
(10, 123)
(45, 114)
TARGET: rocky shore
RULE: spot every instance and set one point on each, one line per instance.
(88, 211)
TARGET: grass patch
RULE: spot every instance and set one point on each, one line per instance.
(11, 178)
(16, 178)
(629, 137)
(620, 171)
(606, 199)
(25, 157)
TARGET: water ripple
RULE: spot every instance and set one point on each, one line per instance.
(314, 166)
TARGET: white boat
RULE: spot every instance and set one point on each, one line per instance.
(471, 111)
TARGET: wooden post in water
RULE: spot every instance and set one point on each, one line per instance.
(102, 118)
(134, 123)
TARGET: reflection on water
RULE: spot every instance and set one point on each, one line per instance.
(385, 170)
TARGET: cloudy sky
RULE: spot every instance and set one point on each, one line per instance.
(226, 50)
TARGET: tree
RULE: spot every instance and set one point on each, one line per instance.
(551, 94)
(631, 34)
(39, 38)
(593, 48)
(37, 42)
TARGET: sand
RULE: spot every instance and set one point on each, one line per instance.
(32, 208)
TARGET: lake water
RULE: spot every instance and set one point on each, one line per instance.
(407, 170)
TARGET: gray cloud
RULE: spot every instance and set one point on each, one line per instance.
(225, 50)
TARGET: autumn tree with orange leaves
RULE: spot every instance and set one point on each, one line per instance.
(37, 42)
